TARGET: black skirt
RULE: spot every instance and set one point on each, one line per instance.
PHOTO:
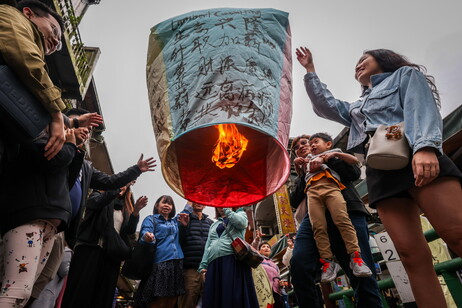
(386, 184)
(166, 279)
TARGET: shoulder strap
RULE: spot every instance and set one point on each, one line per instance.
(227, 231)
(154, 224)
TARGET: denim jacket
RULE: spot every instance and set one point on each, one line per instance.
(167, 237)
(219, 246)
(403, 95)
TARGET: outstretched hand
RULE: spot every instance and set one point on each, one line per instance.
(149, 237)
(90, 120)
(305, 58)
(124, 189)
(258, 235)
(139, 205)
(146, 165)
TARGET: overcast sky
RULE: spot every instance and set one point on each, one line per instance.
(336, 31)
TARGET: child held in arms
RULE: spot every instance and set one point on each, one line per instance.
(323, 188)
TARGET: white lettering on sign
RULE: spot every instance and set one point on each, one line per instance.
(395, 267)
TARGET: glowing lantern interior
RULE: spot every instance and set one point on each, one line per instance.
(258, 172)
(229, 147)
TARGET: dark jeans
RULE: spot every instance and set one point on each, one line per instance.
(305, 263)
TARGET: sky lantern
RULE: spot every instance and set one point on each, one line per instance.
(220, 92)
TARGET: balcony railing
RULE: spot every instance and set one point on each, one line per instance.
(82, 59)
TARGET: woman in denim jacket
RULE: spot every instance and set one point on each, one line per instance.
(165, 283)
(228, 283)
(396, 90)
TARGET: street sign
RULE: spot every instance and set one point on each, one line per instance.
(395, 267)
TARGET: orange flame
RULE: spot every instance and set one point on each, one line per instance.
(229, 147)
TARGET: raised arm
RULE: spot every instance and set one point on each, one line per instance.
(324, 103)
(98, 199)
(140, 203)
(238, 219)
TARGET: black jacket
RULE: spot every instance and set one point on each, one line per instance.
(93, 178)
(99, 218)
(193, 238)
(348, 173)
(33, 187)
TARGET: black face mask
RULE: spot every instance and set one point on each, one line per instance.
(119, 204)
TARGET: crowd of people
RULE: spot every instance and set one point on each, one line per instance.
(65, 225)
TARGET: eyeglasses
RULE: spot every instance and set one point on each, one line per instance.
(57, 36)
(301, 143)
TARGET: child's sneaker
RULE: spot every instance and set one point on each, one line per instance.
(357, 265)
(329, 270)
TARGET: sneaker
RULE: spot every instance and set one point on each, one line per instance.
(357, 265)
(329, 270)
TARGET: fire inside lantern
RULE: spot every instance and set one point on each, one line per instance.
(229, 147)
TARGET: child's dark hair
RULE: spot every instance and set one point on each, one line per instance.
(263, 243)
(324, 136)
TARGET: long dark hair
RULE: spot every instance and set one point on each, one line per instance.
(167, 199)
(389, 61)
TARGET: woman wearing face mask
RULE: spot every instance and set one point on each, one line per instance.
(396, 90)
(165, 283)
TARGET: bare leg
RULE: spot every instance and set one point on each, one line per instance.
(441, 201)
(401, 219)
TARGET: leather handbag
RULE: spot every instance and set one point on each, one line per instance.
(388, 148)
(139, 265)
(115, 246)
(22, 116)
(244, 252)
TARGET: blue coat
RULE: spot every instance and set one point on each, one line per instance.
(167, 237)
